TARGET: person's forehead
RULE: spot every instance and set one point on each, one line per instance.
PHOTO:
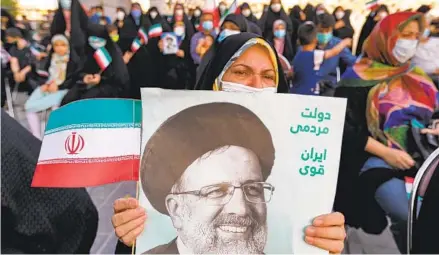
(256, 57)
(230, 164)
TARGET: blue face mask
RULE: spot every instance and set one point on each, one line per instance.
(66, 4)
(207, 25)
(426, 33)
(96, 42)
(226, 33)
(136, 13)
(324, 38)
(280, 33)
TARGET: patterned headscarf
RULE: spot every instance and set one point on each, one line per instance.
(401, 93)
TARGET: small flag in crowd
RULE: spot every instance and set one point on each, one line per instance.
(135, 46)
(371, 4)
(232, 9)
(43, 73)
(103, 58)
(99, 146)
(155, 30)
(142, 34)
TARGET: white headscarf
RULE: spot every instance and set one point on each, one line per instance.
(58, 64)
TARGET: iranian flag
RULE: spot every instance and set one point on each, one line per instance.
(103, 58)
(372, 4)
(135, 46)
(232, 9)
(89, 143)
(155, 30)
(143, 35)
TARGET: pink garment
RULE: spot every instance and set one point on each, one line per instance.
(279, 45)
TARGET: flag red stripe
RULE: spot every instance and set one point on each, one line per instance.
(67, 175)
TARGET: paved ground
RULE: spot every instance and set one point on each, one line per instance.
(357, 241)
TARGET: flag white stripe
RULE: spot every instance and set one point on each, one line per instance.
(111, 142)
(103, 57)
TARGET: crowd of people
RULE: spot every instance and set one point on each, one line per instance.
(391, 83)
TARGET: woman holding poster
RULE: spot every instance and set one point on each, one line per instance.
(232, 69)
(388, 99)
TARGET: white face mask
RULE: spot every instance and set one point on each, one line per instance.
(246, 12)
(120, 15)
(66, 4)
(339, 14)
(276, 7)
(404, 50)
(179, 31)
(197, 13)
(179, 12)
(153, 14)
(383, 15)
(236, 87)
(222, 8)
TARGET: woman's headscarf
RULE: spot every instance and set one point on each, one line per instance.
(188, 26)
(269, 17)
(399, 93)
(227, 52)
(78, 24)
(251, 17)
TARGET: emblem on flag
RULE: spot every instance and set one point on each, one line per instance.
(135, 46)
(155, 30)
(142, 35)
(74, 144)
(103, 58)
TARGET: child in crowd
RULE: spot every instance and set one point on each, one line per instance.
(308, 60)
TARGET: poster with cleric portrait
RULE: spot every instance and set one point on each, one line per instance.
(236, 173)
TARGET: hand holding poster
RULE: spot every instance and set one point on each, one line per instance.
(224, 173)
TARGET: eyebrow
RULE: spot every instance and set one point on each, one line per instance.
(249, 67)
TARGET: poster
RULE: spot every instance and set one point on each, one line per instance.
(170, 43)
(236, 173)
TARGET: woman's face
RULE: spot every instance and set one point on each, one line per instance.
(253, 68)
(60, 48)
(411, 31)
(230, 25)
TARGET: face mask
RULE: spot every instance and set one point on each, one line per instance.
(153, 15)
(236, 87)
(404, 50)
(246, 12)
(197, 13)
(339, 14)
(222, 8)
(426, 33)
(99, 14)
(115, 38)
(136, 13)
(179, 12)
(319, 12)
(120, 15)
(66, 4)
(276, 7)
(207, 25)
(226, 33)
(324, 38)
(179, 31)
(96, 42)
(383, 15)
(280, 33)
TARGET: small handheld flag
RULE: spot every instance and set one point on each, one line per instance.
(103, 58)
(371, 4)
(143, 35)
(155, 30)
(135, 46)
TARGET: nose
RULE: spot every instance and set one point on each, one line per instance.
(238, 204)
(256, 81)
